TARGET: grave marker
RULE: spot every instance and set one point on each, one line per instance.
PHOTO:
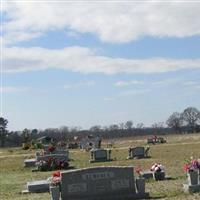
(100, 155)
(100, 183)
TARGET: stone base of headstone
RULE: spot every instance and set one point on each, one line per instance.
(107, 197)
(29, 163)
(191, 188)
(147, 174)
(100, 160)
(38, 186)
(135, 157)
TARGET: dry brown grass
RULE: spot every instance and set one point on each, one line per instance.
(13, 176)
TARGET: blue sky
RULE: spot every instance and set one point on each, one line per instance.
(85, 64)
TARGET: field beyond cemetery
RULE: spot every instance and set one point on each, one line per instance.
(173, 155)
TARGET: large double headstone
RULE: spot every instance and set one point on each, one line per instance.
(99, 183)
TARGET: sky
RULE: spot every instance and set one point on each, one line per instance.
(86, 63)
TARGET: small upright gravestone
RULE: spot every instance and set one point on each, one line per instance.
(30, 162)
(100, 155)
(193, 184)
(100, 183)
(138, 152)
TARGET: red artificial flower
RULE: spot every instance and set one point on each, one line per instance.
(138, 170)
(186, 167)
(51, 148)
(56, 174)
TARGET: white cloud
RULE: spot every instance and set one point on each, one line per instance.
(166, 82)
(79, 85)
(12, 89)
(115, 22)
(128, 83)
(84, 60)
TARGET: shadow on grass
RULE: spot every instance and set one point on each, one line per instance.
(158, 197)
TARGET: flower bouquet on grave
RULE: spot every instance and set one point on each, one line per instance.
(55, 179)
(192, 168)
(55, 184)
(51, 148)
(158, 171)
(138, 171)
(63, 164)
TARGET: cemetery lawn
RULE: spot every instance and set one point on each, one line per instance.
(173, 155)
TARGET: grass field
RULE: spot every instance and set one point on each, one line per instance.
(13, 176)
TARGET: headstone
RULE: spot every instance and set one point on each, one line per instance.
(30, 162)
(38, 186)
(57, 151)
(100, 155)
(57, 157)
(137, 152)
(150, 141)
(100, 183)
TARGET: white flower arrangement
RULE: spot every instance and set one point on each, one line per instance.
(157, 167)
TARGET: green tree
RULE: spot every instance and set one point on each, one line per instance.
(26, 135)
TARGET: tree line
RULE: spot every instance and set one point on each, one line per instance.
(186, 122)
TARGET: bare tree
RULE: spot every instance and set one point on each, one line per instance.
(3, 131)
(158, 127)
(175, 121)
(129, 124)
(113, 127)
(140, 125)
(191, 116)
(95, 129)
(121, 126)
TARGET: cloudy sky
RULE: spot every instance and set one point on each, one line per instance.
(83, 63)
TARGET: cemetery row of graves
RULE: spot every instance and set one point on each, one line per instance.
(130, 169)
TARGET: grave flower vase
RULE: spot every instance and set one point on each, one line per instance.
(158, 176)
(140, 185)
(199, 177)
(55, 192)
(193, 177)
